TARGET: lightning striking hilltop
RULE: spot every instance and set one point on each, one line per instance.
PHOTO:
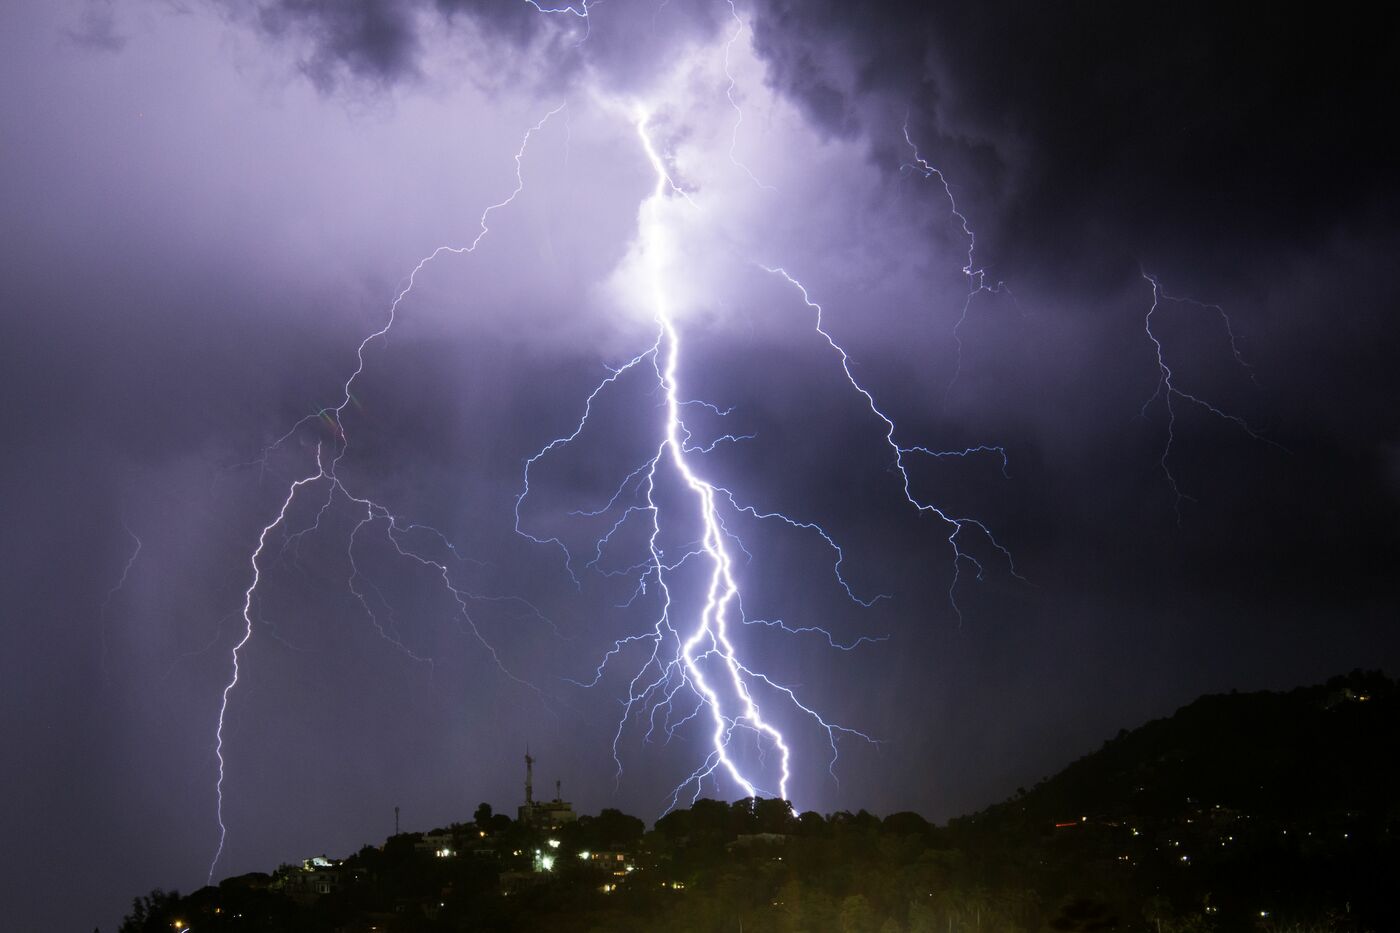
(691, 663)
(693, 658)
(331, 421)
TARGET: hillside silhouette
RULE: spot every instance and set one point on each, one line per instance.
(1241, 812)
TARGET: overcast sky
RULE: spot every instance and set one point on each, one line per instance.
(208, 206)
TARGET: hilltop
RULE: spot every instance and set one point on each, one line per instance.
(1255, 811)
(1249, 807)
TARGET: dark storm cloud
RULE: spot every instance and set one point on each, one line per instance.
(96, 28)
(383, 42)
(380, 43)
(1119, 127)
(375, 39)
(1084, 137)
(1230, 151)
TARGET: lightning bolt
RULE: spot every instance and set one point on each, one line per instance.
(331, 420)
(568, 9)
(956, 526)
(1170, 393)
(111, 594)
(579, 11)
(246, 637)
(729, 94)
(691, 668)
(976, 275)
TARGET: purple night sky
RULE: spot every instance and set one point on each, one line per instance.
(209, 205)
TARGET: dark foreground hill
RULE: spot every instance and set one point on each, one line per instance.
(1261, 807)
(1261, 811)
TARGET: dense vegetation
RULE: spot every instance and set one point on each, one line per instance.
(1264, 811)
